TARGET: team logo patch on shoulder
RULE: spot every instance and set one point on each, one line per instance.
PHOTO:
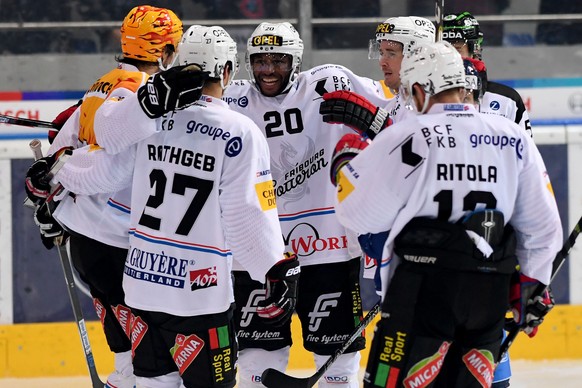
(266, 195)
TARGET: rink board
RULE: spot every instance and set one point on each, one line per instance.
(33, 295)
(54, 349)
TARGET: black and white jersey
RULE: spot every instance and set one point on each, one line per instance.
(444, 164)
(505, 101)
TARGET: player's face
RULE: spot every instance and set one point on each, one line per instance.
(271, 72)
(461, 46)
(390, 61)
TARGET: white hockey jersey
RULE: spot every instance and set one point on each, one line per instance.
(202, 195)
(446, 163)
(301, 146)
(103, 217)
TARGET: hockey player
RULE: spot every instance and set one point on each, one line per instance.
(394, 38)
(99, 224)
(455, 188)
(284, 103)
(202, 194)
(463, 32)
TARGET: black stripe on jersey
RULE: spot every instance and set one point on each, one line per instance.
(509, 92)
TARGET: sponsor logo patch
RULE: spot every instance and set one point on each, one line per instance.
(185, 350)
(266, 195)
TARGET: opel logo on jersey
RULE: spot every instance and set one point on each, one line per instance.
(494, 105)
(250, 308)
(322, 308)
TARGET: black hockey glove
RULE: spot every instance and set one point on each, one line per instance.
(345, 150)
(49, 227)
(172, 89)
(528, 308)
(40, 173)
(353, 110)
(281, 296)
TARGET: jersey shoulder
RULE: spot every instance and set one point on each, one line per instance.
(504, 90)
(326, 70)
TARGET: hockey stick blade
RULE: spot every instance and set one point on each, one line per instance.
(556, 266)
(273, 378)
(5, 119)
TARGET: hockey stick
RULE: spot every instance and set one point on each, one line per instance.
(273, 378)
(35, 146)
(556, 266)
(439, 8)
(4, 119)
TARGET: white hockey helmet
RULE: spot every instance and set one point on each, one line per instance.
(436, 67)
(211, 48)
(280, 38)
(408, 30)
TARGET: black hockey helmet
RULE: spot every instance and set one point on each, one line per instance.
(463, 27)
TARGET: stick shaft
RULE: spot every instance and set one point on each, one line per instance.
(35, 146)
(5, 119)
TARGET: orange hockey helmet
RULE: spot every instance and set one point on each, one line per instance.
(146, 31)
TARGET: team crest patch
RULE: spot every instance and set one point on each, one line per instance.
(185, 350)
(481, 365)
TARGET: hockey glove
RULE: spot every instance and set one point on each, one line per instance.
(353, 110)
(281, 296)
(49, 227)
(345, 150)
(39, 175)
(529, 309)
(172, 89)
(61, 119)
